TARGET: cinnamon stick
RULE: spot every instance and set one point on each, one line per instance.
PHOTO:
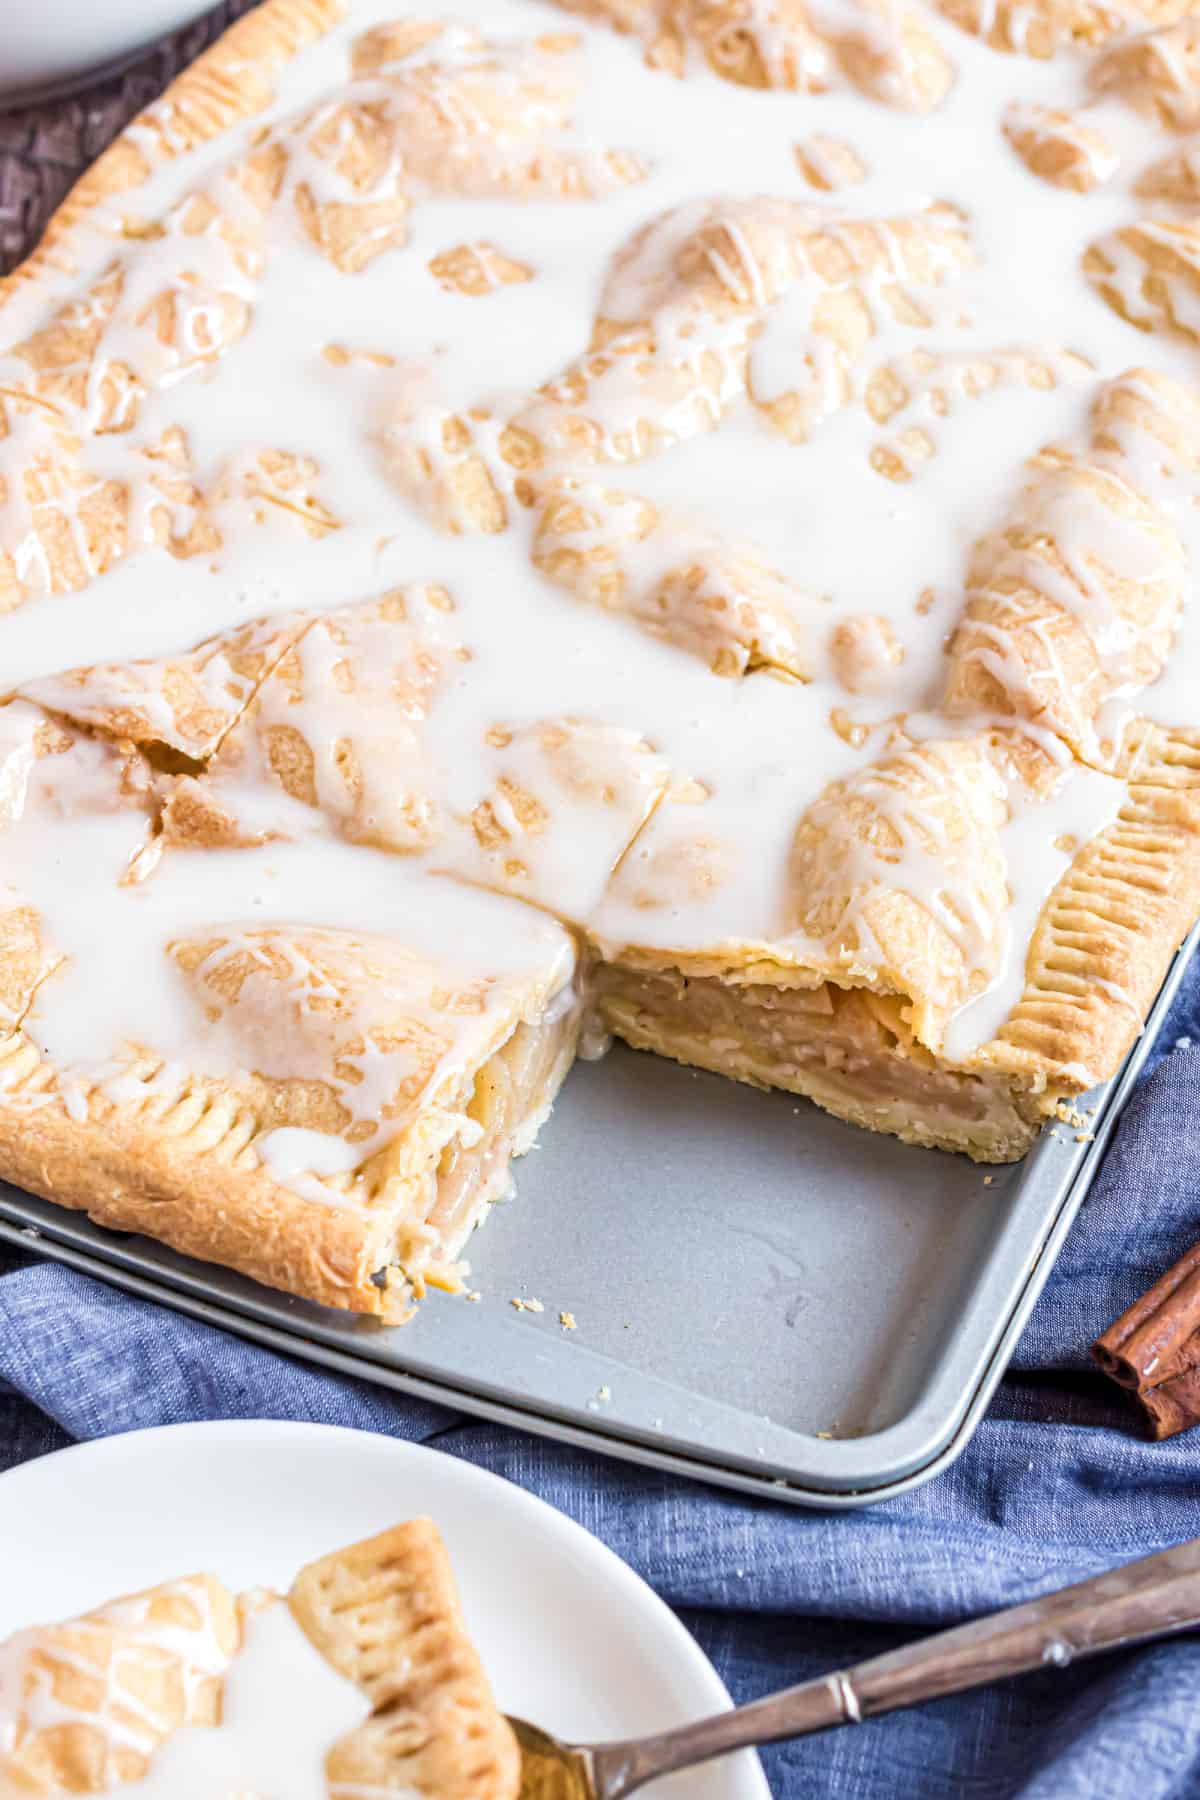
(1175, 1406)
(1154, 1348)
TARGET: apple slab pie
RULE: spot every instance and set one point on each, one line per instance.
(673, 519)
(361, 1681)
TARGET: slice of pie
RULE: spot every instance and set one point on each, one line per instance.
(879, 978)
(361, 1679)
(592, 511)
(331, 1108)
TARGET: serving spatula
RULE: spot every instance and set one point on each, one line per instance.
(1151, 1598)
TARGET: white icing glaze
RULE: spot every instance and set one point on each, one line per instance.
(840, 537)
(1038, 841)
(283, 1709)
(32, 1699)
(141, 1616)
(312, 884)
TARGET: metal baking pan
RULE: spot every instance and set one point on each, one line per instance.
(765, 1297)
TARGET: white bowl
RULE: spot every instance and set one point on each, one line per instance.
(47, 45)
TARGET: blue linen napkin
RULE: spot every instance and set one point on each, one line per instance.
(1055, 1486)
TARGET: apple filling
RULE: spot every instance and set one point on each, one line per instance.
(503, 1107)
(847, 1049)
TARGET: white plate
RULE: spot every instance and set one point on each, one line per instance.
(571, 1637)
(46, 42)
